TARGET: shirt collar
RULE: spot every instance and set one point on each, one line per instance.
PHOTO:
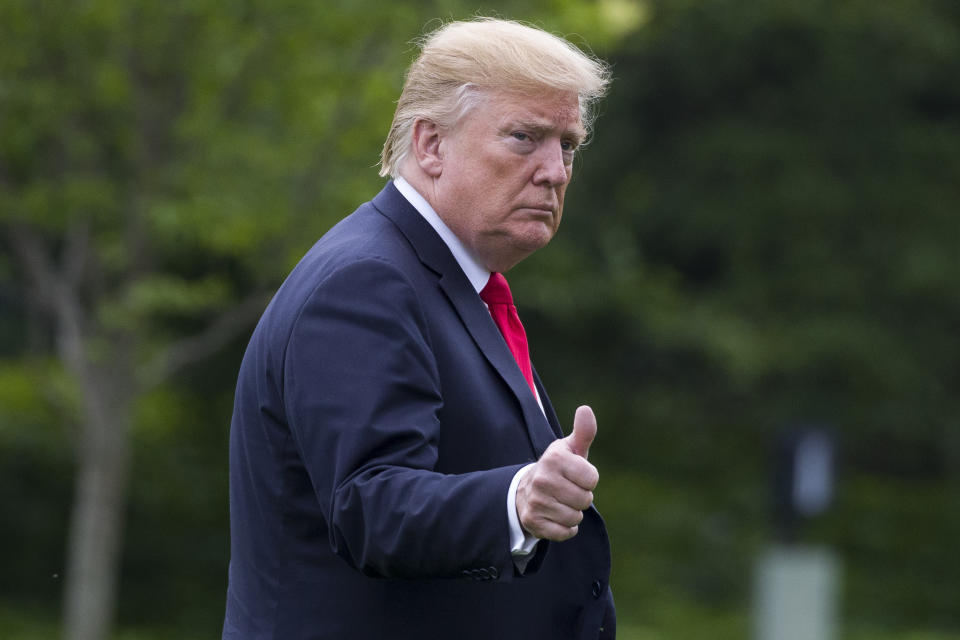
(476, 273)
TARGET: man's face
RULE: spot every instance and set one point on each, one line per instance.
(504, 170)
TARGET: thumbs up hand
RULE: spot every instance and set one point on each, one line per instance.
(584, 431)
(552, 495)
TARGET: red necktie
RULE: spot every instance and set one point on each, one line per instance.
(498, 298)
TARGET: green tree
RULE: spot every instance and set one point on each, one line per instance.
(765, 229)
(779, 177)
(162, 164)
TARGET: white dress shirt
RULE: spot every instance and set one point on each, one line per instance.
(521, 543)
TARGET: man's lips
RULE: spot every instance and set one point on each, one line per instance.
(539, 209)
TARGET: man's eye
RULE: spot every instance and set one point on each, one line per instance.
(520, 135)
(566, 145)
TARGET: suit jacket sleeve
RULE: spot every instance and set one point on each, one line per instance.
(361, 392)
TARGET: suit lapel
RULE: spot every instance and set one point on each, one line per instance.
(485, 333)
(434, 254)
(548, 409)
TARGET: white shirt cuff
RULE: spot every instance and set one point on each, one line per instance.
(522, 543)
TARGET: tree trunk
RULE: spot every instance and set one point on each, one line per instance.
(102, 465)
(96, 525)
(110, 382)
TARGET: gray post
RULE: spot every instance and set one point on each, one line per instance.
(796, 594)
(796, 586)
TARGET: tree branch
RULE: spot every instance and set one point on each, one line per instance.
(32, 255)
(76, 253)
(57, 292)
(195, 348)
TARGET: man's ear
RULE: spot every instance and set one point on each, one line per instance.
(426, 147)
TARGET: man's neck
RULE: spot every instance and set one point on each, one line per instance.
(471, 266)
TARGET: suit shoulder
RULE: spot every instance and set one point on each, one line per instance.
(366, 231)
(362, 257)
(364, 235)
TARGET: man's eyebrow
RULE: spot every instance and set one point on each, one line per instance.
(578, 134)
(541, 127)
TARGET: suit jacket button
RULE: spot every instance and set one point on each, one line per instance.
(596, 589)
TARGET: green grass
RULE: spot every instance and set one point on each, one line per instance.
(674, 619)
(38, 624)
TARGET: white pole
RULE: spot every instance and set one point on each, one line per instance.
(796, 594)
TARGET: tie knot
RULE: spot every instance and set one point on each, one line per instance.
(497, 291)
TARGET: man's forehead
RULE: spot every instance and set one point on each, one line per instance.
(543, 113)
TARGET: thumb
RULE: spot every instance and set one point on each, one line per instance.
(584, 431)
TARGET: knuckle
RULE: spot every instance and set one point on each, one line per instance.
(551, 461)
(540, 482)
(537, 504)
(594, 477)
(571, 518)
(533, 524)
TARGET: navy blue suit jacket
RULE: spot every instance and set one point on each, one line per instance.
(378, 421)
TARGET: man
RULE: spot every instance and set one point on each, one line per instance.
(397, 470)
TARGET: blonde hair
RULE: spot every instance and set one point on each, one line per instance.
(461, 60)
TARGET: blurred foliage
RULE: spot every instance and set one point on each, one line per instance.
(761, 232)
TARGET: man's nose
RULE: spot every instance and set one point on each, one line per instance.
(552, 169)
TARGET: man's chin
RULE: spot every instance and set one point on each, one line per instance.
(507, 249)
(523, 250)
(536, 238)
